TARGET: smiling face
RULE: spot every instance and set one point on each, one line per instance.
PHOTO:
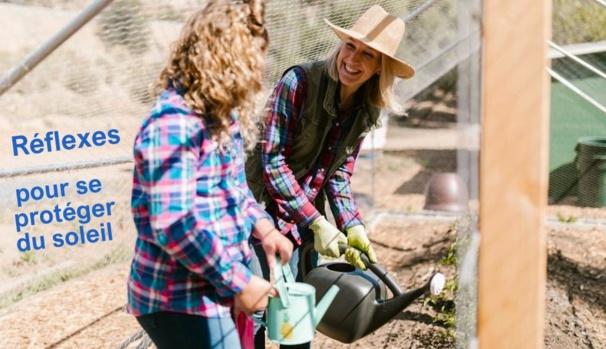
(356, 63)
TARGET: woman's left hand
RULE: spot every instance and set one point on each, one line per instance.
(356, 237)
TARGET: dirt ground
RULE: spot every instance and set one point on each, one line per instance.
(87, 312)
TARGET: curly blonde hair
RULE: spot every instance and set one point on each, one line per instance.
(217, 63)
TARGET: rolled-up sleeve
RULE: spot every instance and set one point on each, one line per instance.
(285, 107)
(340, 195)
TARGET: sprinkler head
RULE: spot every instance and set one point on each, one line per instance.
(437, 284)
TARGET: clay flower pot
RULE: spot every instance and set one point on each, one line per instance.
(446, 192)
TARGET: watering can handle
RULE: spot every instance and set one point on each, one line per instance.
(282, 272)
(377, 269)
(305, 266)
(363, 256)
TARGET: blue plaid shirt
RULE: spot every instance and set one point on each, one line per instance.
(194, 213)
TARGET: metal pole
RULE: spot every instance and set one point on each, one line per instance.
(601, 2)
(65, 167)
(576, 90)
(31, 61)
(578, 60)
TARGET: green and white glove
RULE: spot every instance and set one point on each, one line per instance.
(356, 237)
(327, 238)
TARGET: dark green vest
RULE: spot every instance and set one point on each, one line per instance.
(318, 117)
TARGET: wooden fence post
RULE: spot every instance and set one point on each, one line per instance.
(513, 173)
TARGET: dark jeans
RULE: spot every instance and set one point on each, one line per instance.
(184, 331)
(260, 268)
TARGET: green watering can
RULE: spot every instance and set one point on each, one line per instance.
(292, 317)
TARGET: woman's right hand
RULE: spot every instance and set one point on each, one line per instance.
(254, 296)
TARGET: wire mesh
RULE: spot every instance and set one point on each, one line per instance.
(578, 109)
(99, 80)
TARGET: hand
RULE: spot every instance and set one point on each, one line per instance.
(327, 238)
(273, 242)
(254, 296)
(356, 237)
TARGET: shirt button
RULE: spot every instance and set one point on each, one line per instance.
(337, 124)
(314, 190)
(322, 170)
(329, 148)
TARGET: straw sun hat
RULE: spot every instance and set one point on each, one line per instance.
(381, 31)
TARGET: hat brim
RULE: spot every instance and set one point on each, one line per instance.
(402, 69)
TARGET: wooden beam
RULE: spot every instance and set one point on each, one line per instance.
(513, 173)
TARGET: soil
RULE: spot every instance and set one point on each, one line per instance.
(87, 312)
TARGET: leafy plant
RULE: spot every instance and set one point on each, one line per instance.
(457, 326)
(578, 21)
(444, 303)
(566, 219)
(29, 257)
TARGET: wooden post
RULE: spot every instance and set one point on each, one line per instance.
(513, 173)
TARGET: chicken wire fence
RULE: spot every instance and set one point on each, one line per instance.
(578, 111)
(66, 210)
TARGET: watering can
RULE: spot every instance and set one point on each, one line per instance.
(292, 317)
(365, 307)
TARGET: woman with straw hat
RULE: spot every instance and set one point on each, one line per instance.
(317, 118)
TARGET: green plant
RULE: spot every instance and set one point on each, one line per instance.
(566, 219)
(451, 256)
(578, 21)
(444, 303)
(29, 257)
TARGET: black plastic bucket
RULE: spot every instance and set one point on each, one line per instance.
(591, 162)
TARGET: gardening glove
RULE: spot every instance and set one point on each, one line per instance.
(327, 238)
(356, 237)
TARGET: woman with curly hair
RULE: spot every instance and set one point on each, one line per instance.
(191, 205)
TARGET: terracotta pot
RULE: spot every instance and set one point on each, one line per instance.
(446, 192)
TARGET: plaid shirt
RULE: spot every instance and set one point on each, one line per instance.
(193, 211)
(295, 198)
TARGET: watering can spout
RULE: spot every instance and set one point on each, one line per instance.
(324, 303)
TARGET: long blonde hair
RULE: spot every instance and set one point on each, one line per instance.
(379, 88)
(217, 63)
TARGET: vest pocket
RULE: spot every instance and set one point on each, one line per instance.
(305, 143)
(312, 129)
